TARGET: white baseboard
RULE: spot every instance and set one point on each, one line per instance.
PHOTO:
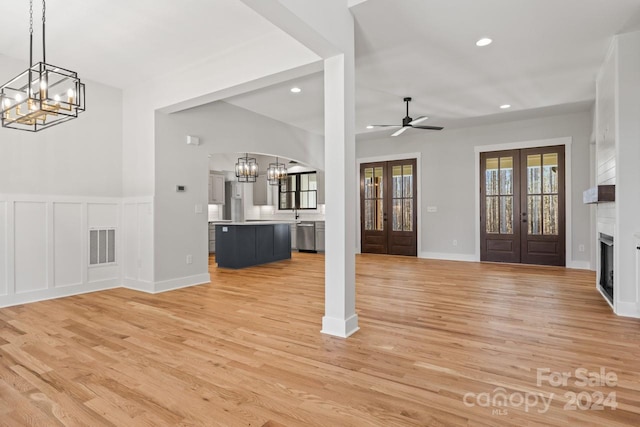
(579, 265)
(182, 282)
(138, 285)
(341, 328)
(627, 309)
(135, 285)
(448, 256)
(67, 291)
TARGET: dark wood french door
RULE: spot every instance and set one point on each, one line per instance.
(522, 206)
(388, 210)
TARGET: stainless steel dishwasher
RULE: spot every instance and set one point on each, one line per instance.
(306, 236)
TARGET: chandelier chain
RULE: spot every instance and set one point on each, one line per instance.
(44, 48)
(30, 16)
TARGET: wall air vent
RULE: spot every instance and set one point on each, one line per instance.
(102, 246)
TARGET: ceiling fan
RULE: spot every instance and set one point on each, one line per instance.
(408, 123)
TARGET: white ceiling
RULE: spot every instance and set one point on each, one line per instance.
(545, 54)
(122, 43)
(545, 57)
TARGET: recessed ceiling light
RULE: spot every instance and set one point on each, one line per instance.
(505, 106)
(296, 90)
(369, 127)
(485, 41)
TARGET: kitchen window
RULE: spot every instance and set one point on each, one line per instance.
(299, 191)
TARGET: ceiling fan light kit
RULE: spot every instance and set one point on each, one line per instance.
(407, 123)
(43, 95)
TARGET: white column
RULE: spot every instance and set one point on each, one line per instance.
(340, 317)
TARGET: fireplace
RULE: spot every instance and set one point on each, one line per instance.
(606, 266)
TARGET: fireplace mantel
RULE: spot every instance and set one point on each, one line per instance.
(599, 194)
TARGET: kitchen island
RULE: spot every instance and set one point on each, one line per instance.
(244, 244)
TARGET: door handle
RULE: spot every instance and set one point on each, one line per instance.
(524, 217)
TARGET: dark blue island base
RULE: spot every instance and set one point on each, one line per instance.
(245, 244)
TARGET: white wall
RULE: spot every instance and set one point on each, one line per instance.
(447, 172)
(221, 127)
(82, 157)
(199, 80)
(605, 134)
(44, 246)
(54, 186)
(626, 292)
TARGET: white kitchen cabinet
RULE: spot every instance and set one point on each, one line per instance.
(264, 194)
(260, 191)
(320, 184)
(216, 188)
(236, 189)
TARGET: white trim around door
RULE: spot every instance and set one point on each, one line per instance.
(566, 141)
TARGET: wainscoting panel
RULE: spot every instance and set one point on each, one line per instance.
(103, 215)
(145, 225)
(44, 243)
(69, 244)
(3, 248)
(31, 243)
(137, 218)
(130, 241)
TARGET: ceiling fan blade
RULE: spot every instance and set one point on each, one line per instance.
(418, 120)
(400, 131)
(429, 127)
(386, 126)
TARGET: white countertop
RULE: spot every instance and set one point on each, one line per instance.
(258, 223)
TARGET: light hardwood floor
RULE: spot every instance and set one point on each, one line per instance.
(246, 350)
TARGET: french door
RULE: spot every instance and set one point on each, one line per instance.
(388, 208)
(522, 206)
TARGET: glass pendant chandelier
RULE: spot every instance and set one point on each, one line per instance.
(276, 172)
(247, 169)
(43, 95)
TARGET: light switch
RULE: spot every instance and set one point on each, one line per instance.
(432, 209)
(198, 209)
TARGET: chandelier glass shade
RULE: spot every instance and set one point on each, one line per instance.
(276, 172)
(43, 95)
(247, 169)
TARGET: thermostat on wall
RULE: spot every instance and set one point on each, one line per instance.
(180, 188)
(193, 140)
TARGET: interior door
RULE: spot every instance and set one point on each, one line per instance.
(373, 213)
(402, 236)
(388, 208)
(500, 206)
(543, 206)
(522, 208)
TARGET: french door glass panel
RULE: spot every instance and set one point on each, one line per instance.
(542, 194)
(373, 195)
(499, 195)
(402, 210)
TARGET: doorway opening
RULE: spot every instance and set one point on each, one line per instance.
(522, 206)
(388, 207)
